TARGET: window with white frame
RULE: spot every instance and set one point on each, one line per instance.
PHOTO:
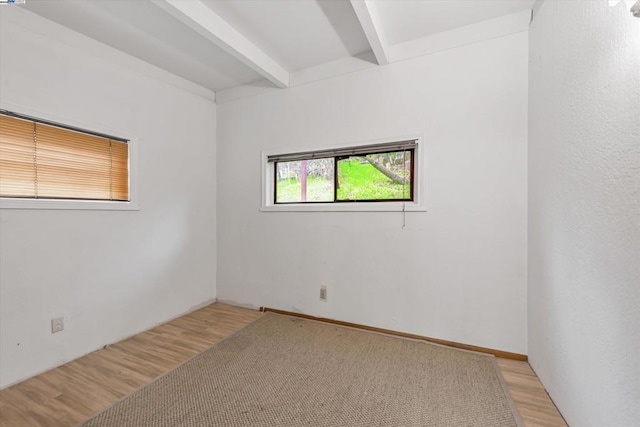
(382, 172)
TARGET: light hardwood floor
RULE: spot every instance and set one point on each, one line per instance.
(73, 392)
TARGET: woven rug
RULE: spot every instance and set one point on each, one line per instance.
(290, 372)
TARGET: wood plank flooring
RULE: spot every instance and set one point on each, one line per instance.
(73, 392)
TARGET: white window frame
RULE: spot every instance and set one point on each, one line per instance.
(72, 204)
(417, 205)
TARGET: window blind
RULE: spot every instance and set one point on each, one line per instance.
(350, 151)
(41, 160)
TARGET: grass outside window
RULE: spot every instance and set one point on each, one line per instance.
(376, 176)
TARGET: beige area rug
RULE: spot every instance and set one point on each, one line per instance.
(291, 372)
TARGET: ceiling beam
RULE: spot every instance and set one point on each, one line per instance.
(370, 22)
(209, 24)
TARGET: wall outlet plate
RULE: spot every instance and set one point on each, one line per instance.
(57, 324)
(323, 293)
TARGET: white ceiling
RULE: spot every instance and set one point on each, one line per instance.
(405, 20)
(145, 31)
(297, 33)
(222, 44)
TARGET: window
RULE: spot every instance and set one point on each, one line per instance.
(43, 160)
(371, 173)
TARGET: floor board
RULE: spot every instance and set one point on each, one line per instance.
(73, 392)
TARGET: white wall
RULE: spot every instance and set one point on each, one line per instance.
(584, 210)
(456, 272)
(109, 273)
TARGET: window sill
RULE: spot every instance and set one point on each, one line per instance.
(8, 203)
(346, 207)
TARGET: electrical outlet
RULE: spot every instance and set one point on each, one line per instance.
(57, 325)
(323, 293)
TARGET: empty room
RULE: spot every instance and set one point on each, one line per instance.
(347, 213)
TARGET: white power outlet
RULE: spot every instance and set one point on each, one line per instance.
(323, 293)
(57, 325)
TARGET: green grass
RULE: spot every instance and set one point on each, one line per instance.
(361, 181)
(318, 190)
(357, 181)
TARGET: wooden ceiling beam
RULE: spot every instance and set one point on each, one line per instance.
(370, 22)
(209, 24)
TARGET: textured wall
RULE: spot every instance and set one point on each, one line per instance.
(109, 273)
(457, 271)
(584, 210)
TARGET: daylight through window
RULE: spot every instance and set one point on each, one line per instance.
(43, 160)
(373, 173)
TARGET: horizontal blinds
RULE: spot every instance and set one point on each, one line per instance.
(59, 125)
(39, 160)
(119, 170)
(72, 165)
(350, 151)
(17, 158)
